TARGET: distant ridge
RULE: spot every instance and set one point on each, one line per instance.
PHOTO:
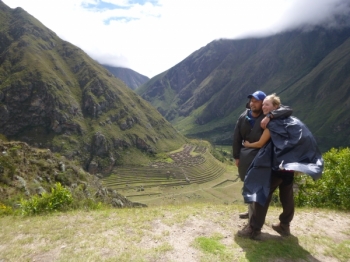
(131, 78)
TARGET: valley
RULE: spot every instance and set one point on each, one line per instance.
(190, 174)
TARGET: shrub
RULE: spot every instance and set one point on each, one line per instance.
(59, 199)
(83, 199)
(333, 188)
(5, 210)
(218, 155)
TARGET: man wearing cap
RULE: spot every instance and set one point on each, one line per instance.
(249, 127)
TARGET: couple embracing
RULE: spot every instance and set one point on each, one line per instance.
(269, 145)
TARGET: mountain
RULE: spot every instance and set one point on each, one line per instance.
(131, 78)
(203, 95)
(53, 95)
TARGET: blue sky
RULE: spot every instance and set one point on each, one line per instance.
(153, 36)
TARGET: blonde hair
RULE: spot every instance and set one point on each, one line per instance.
(276, 101)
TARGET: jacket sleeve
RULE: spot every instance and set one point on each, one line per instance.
(282, 111)
(237, 139)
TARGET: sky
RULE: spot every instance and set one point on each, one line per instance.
(151, 36)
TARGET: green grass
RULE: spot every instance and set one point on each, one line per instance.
(193, 165)
(203, 231)
(339, 250)
(214, 250)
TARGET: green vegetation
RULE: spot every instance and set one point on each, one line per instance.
(163, 157)
(223, 153)
(59, 199)
(308, 70)
(74, 105)
(36, 181)
(211, 244)
(333, 189)
(200, 232)
(194, 164)
(201, 220)
(50, 208)
(213, 248)
(189, 174)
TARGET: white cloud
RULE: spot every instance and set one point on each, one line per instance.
(152, 37)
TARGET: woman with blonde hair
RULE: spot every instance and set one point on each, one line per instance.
(271, 102)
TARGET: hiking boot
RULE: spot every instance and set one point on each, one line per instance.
(281, 229)
(244, 215)
(249, 232)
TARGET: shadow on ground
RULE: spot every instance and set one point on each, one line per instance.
(274, 248)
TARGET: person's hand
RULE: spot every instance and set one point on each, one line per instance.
(237, 162)
(246, 143)
(264, 122)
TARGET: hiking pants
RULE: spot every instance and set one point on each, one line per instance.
(284, 181)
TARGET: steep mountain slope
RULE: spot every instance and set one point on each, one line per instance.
(52, 95)
(322, 98)
(204, 94)
(131, 78)
(26, 171)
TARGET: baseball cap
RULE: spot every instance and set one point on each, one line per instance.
(259, 95)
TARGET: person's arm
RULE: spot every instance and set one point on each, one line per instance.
(265, 137)
(282, 111)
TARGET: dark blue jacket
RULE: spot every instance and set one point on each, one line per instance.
(292, 147)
